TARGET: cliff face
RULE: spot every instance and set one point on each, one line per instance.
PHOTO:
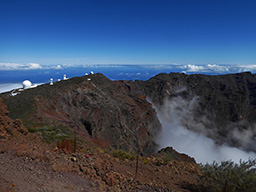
(106, 112)
(224, 105)
(232, 96)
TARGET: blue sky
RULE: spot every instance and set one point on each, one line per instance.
(51, 32)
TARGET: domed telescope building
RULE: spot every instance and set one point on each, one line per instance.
(27, 84)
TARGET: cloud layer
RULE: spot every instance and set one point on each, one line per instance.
(187, 68)
(27, 66)
(218, 69)
(183, 133)
(4, 87)
(18, 66)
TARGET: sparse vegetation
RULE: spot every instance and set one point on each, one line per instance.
(145, 161)
(167, 157)
(89, 149)
(52, 133)
(105, 150)
(123, 154)
(230, 177)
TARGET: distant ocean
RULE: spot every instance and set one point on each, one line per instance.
(113, 72)
(10, 79)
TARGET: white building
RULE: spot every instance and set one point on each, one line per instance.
(27, 84)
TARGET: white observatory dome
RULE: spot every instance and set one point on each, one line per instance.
(26, 84)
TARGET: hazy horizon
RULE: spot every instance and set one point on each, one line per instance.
(17, 72)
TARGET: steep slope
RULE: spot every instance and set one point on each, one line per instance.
(100, 109)
(222, 107)
(29, 164)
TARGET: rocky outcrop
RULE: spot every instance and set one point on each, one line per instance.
(106, 111)
(170, 154)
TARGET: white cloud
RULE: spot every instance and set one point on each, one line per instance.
(243, 68)
(194, 68)
(19, 66)
(27, 66)
(217, 69)
(4, 87)
(58, 67)
(33, 66)
(177, 114)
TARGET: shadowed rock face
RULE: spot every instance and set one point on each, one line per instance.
(106, 111)
(231, 96)
(227, 102)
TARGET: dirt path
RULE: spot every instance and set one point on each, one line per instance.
(21, 174)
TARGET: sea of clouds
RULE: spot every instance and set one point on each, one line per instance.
(4, 87)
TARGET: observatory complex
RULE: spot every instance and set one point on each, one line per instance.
(28, 85)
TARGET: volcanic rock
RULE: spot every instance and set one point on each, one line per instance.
(106, 112)
(169, 154)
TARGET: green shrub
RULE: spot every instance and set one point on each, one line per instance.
(167, 157)
(32, 130)
(52, 133)
(145, 161)
(105, 150)
(123, 154)
(89, 149)
(230, 177)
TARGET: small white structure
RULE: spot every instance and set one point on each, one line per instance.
(65, 77)
(13, 93)
(91, 73)
(89, 79)
(51, 83)
(27, 84)
(86, 74)
(58, 79)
